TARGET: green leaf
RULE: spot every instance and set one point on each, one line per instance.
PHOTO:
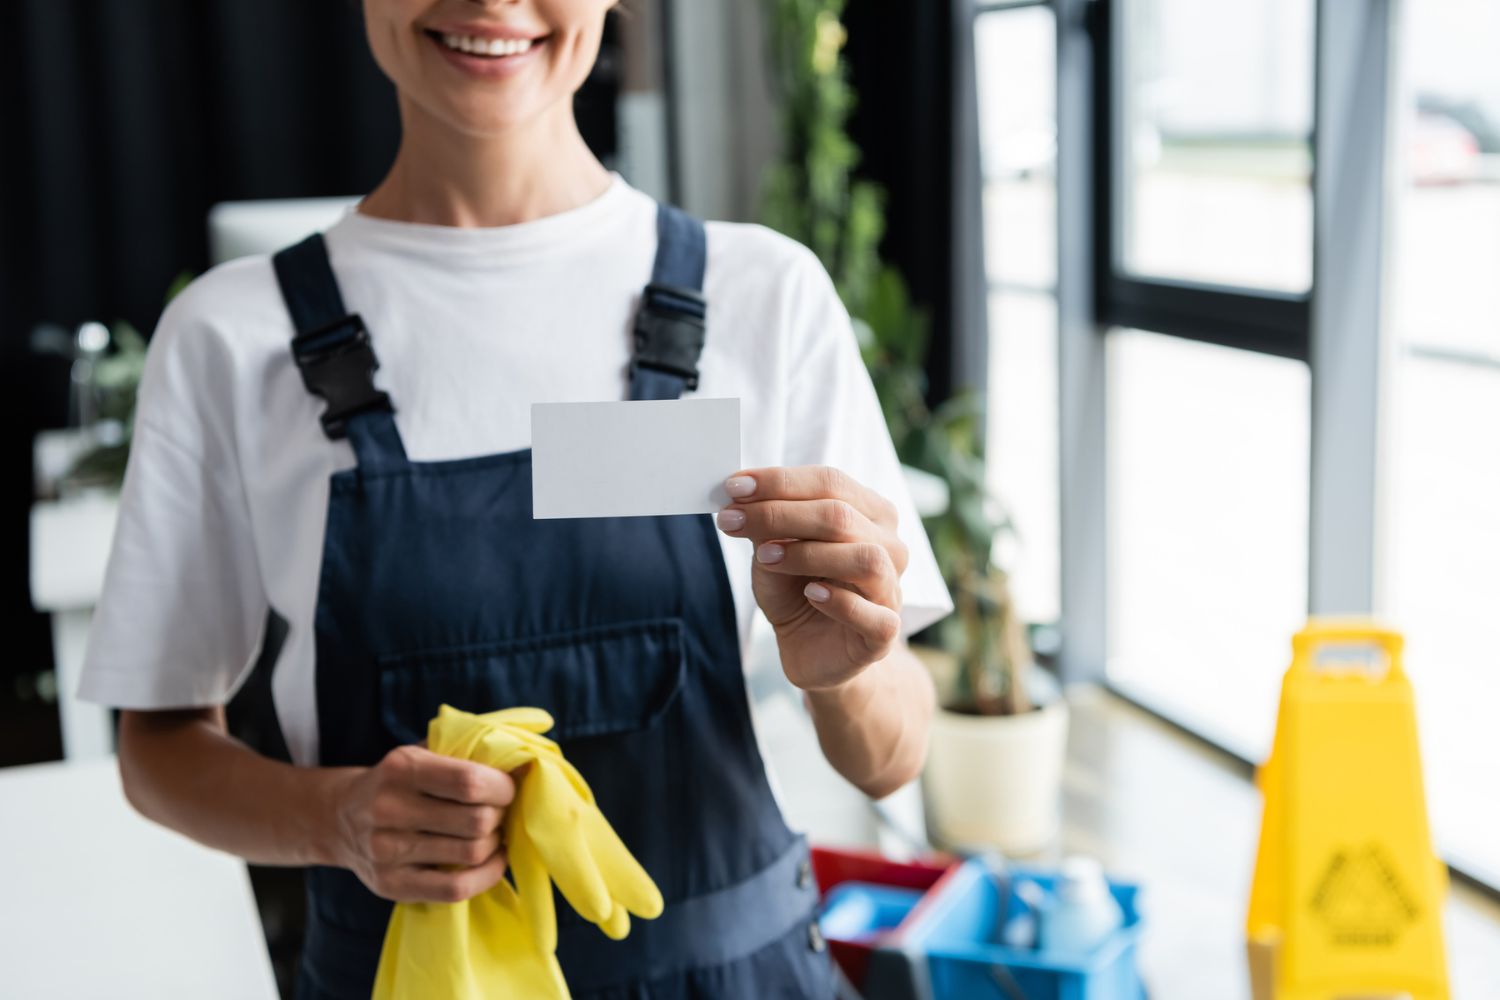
(813, 196)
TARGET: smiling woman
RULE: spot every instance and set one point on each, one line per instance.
(340, 432)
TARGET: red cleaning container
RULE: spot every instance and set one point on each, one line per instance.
(833, 867)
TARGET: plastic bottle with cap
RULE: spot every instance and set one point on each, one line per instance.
(1083, 913)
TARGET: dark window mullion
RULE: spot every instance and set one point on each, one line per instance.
(989, 6)
(1254, 321)
(1007, 287)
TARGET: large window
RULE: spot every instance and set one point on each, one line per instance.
(1443, 576)
(1285, 380)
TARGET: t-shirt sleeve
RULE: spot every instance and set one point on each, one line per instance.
(183, 608)
(834, 419)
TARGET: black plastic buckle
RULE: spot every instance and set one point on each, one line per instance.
(338, 364)
(669, 331)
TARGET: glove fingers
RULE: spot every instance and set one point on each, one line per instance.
(568, 771)
(508, 747)
(454, 733)
(512, 739)
(533, 720)
(602, 856)
(617, 926)
(498, 750)
(554, 823)
(627, 881)
(580, 787)
(505, 739)
(554, 830)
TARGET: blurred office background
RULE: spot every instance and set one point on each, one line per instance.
(1225, 276)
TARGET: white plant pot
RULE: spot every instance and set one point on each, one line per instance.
(996, 781)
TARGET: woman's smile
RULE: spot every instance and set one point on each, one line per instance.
(486, 50)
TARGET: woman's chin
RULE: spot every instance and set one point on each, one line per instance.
(489, 121)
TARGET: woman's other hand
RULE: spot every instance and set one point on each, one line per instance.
(828, 564)
(419, 826)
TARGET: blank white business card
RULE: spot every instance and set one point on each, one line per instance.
(632, 459)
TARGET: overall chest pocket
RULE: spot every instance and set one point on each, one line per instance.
(598, 681)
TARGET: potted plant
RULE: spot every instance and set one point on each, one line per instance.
(994, 767)
(995, 763)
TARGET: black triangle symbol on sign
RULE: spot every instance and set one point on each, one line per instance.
(1361, 898)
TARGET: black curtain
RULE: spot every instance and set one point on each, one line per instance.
(128, 119)
(901, 68)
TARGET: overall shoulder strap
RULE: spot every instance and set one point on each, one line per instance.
(332, 349)
(669, 325)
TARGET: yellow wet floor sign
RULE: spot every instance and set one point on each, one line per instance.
(1347, 895)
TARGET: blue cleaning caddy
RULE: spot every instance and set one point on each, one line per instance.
(949, 947)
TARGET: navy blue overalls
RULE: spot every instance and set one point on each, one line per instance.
(438, 586)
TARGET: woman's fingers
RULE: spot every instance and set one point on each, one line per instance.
(815, 520)
(877, 624)
(811, 482)
(407, 847)
(811, 521)
(422, 826)
(417, 790)
(459, 780)
(425, 814)
(866, 565)
(443, 885)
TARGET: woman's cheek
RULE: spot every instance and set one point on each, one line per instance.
(391, 33)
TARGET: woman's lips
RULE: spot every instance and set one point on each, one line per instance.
(487, 54)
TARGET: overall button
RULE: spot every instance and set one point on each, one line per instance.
(805, 874)
(815, 937)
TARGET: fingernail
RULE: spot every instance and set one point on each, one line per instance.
(739, 486)
(770, 553)
(731, 520)
(816, 592)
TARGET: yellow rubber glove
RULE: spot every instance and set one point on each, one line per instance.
(502, 942)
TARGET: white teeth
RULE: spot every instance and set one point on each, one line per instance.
(492, 47)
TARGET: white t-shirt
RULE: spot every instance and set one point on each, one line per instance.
(222, 511)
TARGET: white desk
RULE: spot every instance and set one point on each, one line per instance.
(97, 902)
